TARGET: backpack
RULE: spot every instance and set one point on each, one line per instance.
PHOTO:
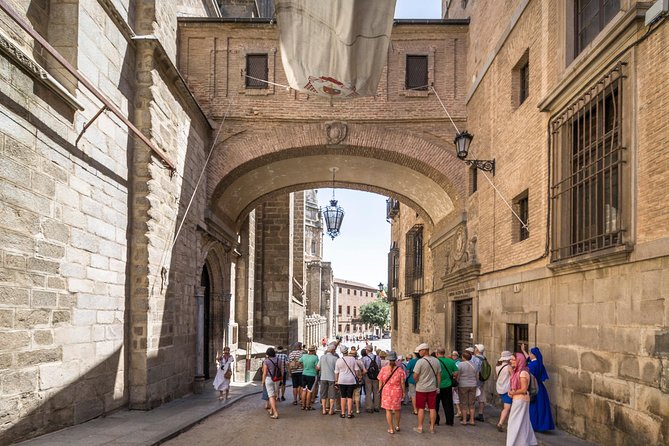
(486, 370)
(276, 376)
(373, 369)
(533, 387)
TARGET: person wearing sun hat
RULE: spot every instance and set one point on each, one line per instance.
(427, 374)
(478, 360)
(391, 379)
(309, 373)
(503, 371)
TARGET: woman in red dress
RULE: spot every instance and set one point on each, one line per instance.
(391, 379)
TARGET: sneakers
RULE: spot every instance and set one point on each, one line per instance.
(479, 417)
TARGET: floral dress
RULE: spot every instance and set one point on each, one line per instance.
(391, 395)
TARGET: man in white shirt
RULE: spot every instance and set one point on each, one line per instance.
(427, 374)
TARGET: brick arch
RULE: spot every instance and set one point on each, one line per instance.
(252, 164)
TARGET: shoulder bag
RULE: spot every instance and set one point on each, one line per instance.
(454, 382)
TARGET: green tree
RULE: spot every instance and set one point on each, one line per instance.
(376, 313)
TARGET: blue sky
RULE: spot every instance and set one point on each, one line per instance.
(360, 252)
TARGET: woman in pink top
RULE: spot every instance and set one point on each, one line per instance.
(391, 379)
(520, 431)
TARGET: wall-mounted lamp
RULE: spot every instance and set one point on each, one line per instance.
(462, 141)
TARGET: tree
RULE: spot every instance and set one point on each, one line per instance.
(376, 313)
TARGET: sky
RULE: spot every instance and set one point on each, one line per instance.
(360, 252)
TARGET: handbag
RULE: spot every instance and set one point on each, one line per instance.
(228, 374)
(386, 382)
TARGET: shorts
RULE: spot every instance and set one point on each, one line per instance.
(308, 382)
(328, 390)
(426, 398)
(480, 398)
(296, 378)
(347, 390)
(412, 390)
(272, 387)
(506, 399)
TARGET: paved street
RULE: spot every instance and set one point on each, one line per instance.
(246, 423)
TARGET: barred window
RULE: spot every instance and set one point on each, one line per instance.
(393, 270)
(590, 17)
(588, 166)
(256, 71)
(415, 314)
(395, 315)
(416, 73)
(414, 261)
(516, 334)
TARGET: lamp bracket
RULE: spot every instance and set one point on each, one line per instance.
(485, 165)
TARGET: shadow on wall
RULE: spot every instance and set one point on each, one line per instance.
(90, 396)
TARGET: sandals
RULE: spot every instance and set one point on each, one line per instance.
(294, 403)
(390, 432)
(274, 417)
(351, 415)
(343, 415)
(500, 428)
(397, 428)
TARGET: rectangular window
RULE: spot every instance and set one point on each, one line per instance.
(517, 334)
(587, 192)
(355, 292)
(339, 328)
(524, 82)
(355, 311)
(521, 208)
(414, 261)
(339, 310)
(348, 328)
(473, 180)
(590, 18)
(256, 71)
(395, 315)
(393, 270)
(415, 314)
(416, 73)
(520, 80)
(348, 310)
(340, 290)
(348, 291)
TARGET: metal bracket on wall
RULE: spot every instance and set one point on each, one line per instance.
(89, 123)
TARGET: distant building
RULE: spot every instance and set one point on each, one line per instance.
(350, 297)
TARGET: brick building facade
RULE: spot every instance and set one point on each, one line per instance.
(137, 241)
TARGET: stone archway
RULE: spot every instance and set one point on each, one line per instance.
(418, 169)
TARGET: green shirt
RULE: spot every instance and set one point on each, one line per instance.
(447, 363)
(309, 362)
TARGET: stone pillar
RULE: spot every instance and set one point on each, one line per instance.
(273, 266)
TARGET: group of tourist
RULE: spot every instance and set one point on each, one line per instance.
(454, 382)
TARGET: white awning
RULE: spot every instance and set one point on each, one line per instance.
(334, 48)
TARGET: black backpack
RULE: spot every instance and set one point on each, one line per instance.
(373, 369)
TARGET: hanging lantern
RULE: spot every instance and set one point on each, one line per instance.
(333, 214)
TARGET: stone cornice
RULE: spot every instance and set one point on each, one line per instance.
(36, 71)
(118, 20)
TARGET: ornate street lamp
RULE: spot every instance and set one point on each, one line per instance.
(380, 285)
(333, 214)
(462, 141)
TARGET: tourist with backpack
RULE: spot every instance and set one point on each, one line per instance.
(372, 364)
(520, 432)
(271, 377)
(503, 371)
(485, 370)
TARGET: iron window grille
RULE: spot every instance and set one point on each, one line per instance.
(587, 195)
(414, 262)
(590, 17)
(415, 314)
(416, 73)
(393, 270)
(257, 71)
(395, 315)
(517, 334)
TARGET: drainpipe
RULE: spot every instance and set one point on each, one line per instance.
(74, 72)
